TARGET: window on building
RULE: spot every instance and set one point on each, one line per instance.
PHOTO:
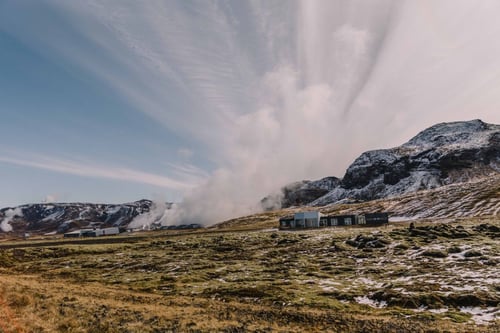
(347, 221)
(335, 221)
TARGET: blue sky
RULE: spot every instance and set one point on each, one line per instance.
(218, 103)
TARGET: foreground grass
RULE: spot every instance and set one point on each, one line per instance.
(390, 279)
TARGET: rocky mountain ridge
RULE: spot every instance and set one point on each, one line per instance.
(446, 153)
(61, 217)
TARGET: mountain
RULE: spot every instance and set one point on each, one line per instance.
(61, 217)
(300, 193)
(444, 154)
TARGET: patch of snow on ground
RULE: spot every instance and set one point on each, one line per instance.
(400, 218)
(369, 282)
(443, 310)
(370, 302)
(328, 285)
(83, 213)
(54, 216)
(482, 316)
(268, 230)
(113, 210)
(458, 288)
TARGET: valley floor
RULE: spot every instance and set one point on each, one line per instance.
(438, 277)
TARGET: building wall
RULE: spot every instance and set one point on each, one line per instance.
(316, 220)
(377, 218)
(110, 231)
(307, 219)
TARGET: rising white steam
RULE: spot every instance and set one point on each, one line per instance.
(157, 213)
(9, 215)
(294, 131)
(362, 75)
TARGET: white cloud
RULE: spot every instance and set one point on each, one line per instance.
(89, 169)
(185, 153)
(49, 198)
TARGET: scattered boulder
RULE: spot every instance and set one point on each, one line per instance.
(472, 253)
(488, 229)
(454, 249)
(439, 230)
(434, 253)
(362, 242)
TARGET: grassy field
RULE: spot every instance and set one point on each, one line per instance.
(439, 277)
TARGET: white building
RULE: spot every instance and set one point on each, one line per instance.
(93, 232)
(110, 231)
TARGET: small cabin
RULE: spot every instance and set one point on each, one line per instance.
(376, 218)
(301, 220)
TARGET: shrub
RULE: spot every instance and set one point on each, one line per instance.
(472, 253)
(454, 249)
(434, 253)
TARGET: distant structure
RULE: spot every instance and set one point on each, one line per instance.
(92, 232)
(181, 226)
(304, 220)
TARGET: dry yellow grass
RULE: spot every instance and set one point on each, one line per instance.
(231, 281)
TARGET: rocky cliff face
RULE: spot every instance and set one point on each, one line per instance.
(443, 154)
(300, 193)
(61, 217)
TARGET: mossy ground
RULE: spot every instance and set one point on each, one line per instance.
(338, 280)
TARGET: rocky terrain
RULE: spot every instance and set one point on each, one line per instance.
(446, 153)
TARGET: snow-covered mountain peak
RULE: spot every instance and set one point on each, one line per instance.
(460, 133)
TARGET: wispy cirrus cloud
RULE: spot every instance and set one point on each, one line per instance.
(184, 180)
(189, 77)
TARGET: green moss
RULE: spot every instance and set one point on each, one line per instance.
(458, 317)
(401, 246)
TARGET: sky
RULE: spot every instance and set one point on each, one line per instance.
(215, 104)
